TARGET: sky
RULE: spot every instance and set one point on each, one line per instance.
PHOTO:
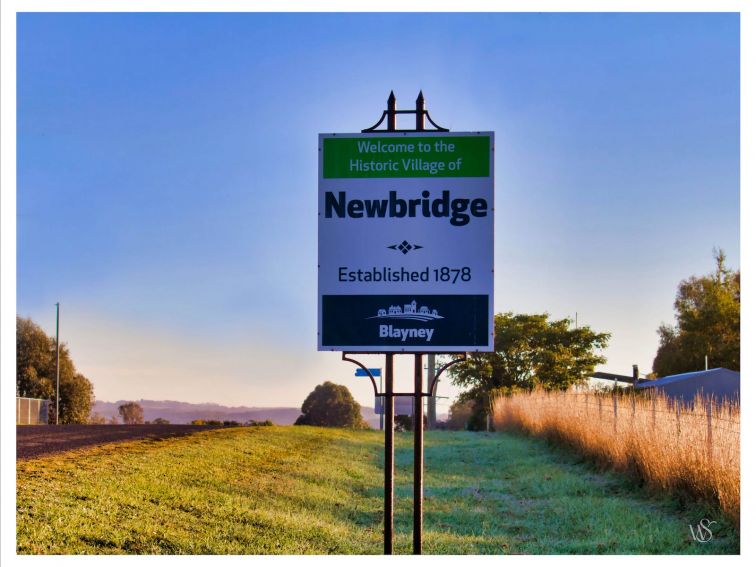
(167, 178)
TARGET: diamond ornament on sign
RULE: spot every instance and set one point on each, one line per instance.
(404, 247)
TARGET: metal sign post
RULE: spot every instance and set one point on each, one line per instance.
(405, 261)
(417, 512)
(388, 470)
(432, 399)
(388, 460)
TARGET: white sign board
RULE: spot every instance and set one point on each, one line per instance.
(405, 242)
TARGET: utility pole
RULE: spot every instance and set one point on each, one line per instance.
(57, 363)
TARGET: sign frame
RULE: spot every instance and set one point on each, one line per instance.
(466, 307)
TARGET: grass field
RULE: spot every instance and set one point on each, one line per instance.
(299, 490)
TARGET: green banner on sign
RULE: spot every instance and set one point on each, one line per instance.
(384, 157)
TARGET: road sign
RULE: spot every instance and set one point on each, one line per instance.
(403, 405)
(405, 242)
(376, 372)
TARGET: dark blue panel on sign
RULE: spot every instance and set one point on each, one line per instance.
(405, 321)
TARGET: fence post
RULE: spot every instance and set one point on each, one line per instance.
(709, 432)
(653, 412)
(29, 412)
(677, 412)
(586, 405)
(614, 401)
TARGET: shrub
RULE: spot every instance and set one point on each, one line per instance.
(253, 423)
(331, 405)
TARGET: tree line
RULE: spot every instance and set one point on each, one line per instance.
(530, 350)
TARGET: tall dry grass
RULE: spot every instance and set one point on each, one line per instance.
(673, 448)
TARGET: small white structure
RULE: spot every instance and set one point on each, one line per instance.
(32, 411)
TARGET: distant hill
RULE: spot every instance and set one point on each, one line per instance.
(183, 412)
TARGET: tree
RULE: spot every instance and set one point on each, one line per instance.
(131, 413)
(460, 413)
(160, 421)
(35, 360)
(76, 395)
(707, 311)
(331, 405)
(36, 373)
(529, 351)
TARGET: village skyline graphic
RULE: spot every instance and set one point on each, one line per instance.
(409, 311)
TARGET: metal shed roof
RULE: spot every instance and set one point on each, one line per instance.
(689, 375)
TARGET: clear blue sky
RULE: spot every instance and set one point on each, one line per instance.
(167, 177)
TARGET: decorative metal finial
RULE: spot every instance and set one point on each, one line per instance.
(390, 116)
(420, 112)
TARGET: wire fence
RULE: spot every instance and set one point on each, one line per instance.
(619, 410)
(670, 444)
(32, 411)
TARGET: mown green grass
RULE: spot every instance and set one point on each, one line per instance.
(298, 490)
